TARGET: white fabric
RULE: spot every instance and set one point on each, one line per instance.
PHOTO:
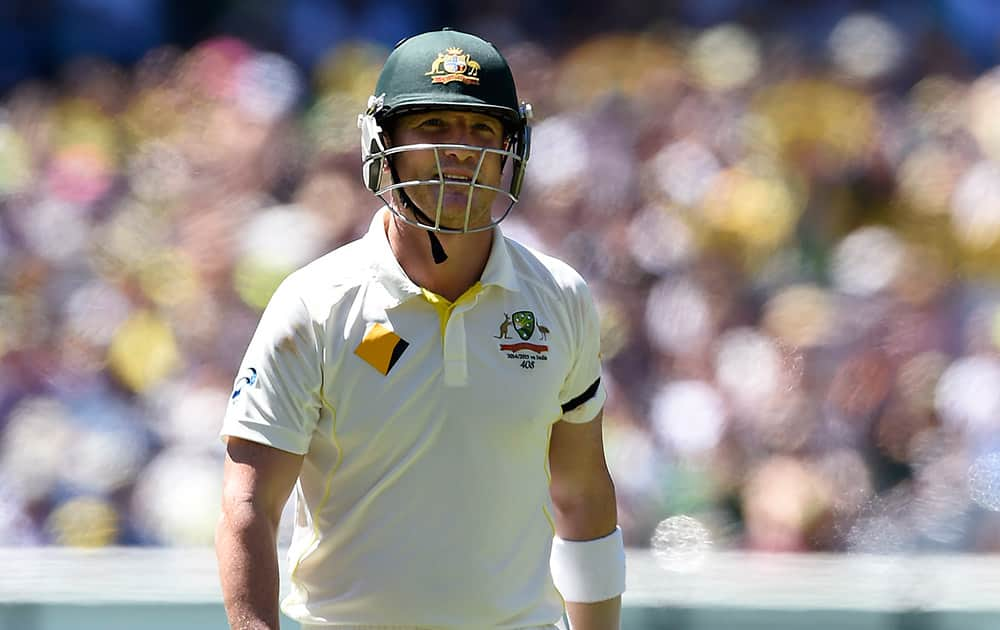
(589, 571)
(423, 496)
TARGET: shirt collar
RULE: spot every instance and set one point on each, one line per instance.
(389, 274)
(499, 268)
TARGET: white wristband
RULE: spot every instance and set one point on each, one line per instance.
(589, 570)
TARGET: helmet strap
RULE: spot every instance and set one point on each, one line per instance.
(437, 250)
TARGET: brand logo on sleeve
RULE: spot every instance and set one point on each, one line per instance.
(247, 378)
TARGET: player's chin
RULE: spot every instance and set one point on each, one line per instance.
(454, 210)
(456, 222)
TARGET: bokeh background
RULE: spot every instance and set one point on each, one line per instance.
(789, 214)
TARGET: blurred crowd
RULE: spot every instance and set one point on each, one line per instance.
(794, 246)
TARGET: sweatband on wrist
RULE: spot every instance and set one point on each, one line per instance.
(589, 571)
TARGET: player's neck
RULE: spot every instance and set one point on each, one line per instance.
(467, 257)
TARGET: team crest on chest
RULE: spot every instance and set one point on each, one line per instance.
(454, 65)
(526, 350)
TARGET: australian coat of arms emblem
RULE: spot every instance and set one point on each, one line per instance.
(454, 65)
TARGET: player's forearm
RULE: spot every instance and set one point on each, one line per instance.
(588, 516)
(588, 513)
(248, 568)
(604, 615)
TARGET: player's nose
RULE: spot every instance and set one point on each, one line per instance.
(461, 148)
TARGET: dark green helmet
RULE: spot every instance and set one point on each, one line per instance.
(444, 70)
(447, 70)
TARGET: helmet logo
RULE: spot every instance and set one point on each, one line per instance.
(454, 65)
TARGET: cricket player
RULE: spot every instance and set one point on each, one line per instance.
(431, 392)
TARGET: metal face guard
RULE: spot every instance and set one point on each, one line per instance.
(442, 182)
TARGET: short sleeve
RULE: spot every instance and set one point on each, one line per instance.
(583, 395)
(276, 395)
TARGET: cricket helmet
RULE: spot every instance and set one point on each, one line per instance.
(446, 70)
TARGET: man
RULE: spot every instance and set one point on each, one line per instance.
(431, 391)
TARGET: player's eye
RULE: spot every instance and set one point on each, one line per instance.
(431, 123)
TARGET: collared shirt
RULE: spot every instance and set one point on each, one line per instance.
(423, 495)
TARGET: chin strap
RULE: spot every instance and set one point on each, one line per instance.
(437, 251)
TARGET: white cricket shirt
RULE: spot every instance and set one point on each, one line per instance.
(423, 497)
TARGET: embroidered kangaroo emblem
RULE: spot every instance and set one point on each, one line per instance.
(504, 327)
(544, 332)
(436, 66)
